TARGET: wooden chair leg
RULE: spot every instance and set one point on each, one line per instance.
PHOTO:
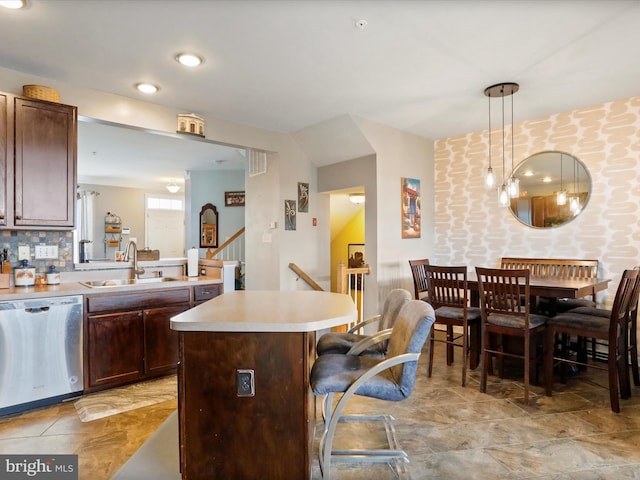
(633, 350)
(613, 378)
(527, 366)
(432, 344)
(449, 344)
(474, 345)
(622, 364)
(465, 354)
(485, 364)
(549, 350)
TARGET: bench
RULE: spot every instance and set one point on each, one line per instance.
(563, 268)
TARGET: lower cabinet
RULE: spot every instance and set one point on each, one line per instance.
(115, 348)
(129, 336)
(160, 342)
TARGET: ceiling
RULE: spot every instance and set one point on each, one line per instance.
(418, 66)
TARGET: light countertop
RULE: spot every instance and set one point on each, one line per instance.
(268, 311)
(77, 288)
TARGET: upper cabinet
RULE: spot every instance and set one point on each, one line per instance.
(40, 156)
(4, 159)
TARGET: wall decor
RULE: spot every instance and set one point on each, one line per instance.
(234, 199)
(303, 197)
(410, 198)
(190, 123)
(289, 214)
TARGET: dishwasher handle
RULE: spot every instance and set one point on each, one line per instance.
(36, 309)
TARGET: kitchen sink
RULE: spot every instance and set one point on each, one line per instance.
(127, 281)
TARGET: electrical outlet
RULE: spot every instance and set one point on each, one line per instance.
(245, 385)
(24, 252)
(46, 251)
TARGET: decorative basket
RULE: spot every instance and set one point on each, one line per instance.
(41, 93)
(148, 254)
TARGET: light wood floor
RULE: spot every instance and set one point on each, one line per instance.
(448, 431)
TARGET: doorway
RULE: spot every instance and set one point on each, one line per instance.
(164, 225)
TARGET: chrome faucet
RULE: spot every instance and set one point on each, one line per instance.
(137, 271)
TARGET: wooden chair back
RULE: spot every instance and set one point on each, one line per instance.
(420, 281)
(447, 286)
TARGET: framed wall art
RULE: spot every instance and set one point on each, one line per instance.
(289, 214)
(410, 199)
(303, 197)
(234, 199)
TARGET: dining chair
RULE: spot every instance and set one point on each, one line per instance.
(420, 285)
(391, 378)
(449, 296)
(343, 342)
(611, 329)
(505, 311)
(631, 341)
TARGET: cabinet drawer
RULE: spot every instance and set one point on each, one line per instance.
(206, 292)
(131, 301)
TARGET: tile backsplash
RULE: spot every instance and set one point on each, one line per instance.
(12, 239)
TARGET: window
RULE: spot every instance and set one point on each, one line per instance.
(160, 203)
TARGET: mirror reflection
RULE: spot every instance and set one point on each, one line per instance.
(554, 189)
(208, 226)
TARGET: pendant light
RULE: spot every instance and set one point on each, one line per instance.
(561, 197)
(510, 188)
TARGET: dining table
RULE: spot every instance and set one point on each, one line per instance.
(550, 287)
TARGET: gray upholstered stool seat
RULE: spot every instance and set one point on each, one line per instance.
(391, 378)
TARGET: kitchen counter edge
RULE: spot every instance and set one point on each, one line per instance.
(76, 288)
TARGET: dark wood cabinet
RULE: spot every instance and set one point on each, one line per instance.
(5, 148)
(202, 293)
(115, 348)
(160, 342)
(39, 150)
(129, 336)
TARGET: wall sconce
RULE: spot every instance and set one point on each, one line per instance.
(173, 187)
(356, 198)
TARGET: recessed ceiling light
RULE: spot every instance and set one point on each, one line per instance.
(147, 88)
(13, 4)
(546, 179)
(189, 59)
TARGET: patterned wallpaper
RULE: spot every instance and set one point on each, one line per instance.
(472, 229)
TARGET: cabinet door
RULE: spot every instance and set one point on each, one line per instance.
(115, 348)
(4, 159)
(45, 163)
(161, 343)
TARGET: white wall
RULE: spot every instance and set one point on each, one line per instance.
(399, 154)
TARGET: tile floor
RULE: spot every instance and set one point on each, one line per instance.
(448, 431)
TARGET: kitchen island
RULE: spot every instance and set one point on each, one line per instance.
(245, 406)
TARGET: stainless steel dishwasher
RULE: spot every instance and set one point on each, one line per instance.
(40, 352)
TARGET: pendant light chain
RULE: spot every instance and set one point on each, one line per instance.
(506, 189)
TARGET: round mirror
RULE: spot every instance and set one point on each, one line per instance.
(554, 188)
